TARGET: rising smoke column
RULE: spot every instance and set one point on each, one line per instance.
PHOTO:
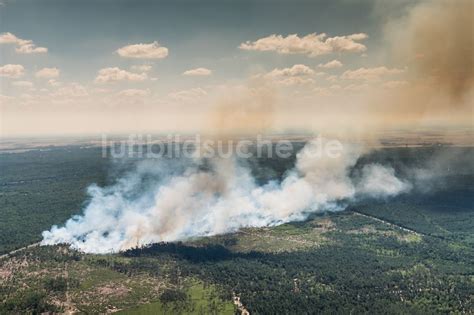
(435, 41)
(201, 203)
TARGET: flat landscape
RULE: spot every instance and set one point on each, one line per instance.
(249, 157)
(411, 254)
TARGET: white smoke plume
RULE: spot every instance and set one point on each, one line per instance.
(151, 204)
(379, 181)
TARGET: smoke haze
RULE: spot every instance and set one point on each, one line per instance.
(152, 203)
(435, 40)
(169, 200)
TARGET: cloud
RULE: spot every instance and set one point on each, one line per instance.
(116, 74)
(295, 81)
(54, 83)
(331, 64)
(312, 45)
(12, 71)
(31, 49)
(370, 73)
(48, 73)
(71, 90)
(198, 72)
(144, 51)
(23, 84)
(187, 95)
(141, 68)
(134, 92)
(23, 46)
(295, 75)
(296, 70)
(9, 38)
(332, 78)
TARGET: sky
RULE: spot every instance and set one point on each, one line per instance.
(114, 66)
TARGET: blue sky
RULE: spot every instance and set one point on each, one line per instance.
(81, 36)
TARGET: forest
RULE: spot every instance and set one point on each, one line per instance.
(407, 255)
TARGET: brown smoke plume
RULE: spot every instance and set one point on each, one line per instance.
(441, 42)
(435, 40)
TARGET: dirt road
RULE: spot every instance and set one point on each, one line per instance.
(19, 250)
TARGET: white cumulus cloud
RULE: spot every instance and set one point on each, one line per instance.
(144, 51)
(295, 81)
(296, 70)
(187, 95)
(48, 73)
(198, 72)
(312, 45)
(331, 64)
(23, 46)
(12, 71)
(295, 75)
(116, 74)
